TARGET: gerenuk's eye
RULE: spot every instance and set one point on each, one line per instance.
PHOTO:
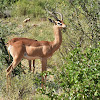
(59, 23)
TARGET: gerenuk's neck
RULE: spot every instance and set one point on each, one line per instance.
(58, 38)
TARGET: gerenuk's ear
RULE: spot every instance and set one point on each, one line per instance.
(52, 21)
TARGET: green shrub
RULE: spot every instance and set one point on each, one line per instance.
(80, 77)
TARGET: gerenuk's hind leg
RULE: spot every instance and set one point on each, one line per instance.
(30, 65)
(15, 62)
(8, 77)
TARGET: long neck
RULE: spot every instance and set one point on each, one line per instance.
(58, 38)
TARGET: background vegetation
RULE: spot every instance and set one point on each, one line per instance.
(74, 70)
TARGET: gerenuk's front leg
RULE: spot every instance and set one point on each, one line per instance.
(44, 68)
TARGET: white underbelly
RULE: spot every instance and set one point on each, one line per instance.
(30, 57)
